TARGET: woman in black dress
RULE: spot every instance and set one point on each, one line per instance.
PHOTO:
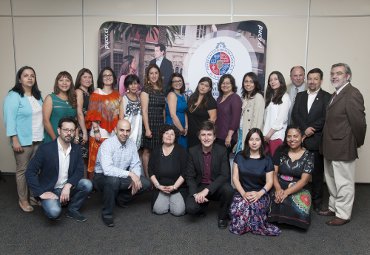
(201, 107)
(153, 111)
(84, 86)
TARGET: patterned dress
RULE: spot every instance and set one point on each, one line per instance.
(104, 109)
(61, 108)
(252, 216)
(156, 106)
(295, 209)
(133, 115)
(85, 106)
(181, 108)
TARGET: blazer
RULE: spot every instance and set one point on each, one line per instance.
(18, 117)
(43, 170)
(220, 168)
(166, 71)
(314, 118)
(345, 125)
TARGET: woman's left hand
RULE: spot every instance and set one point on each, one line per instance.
(253, 196)
(228, 141)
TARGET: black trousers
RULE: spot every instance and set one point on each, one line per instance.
(224, 194)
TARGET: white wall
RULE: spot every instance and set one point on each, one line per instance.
(53, 35)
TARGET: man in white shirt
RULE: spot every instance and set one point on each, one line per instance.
(118, 171)
(55, 173)
(308, 114)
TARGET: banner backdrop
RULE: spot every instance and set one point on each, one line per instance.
(192, 50)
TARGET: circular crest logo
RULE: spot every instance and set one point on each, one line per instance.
(219, 61)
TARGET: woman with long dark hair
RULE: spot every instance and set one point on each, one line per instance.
(176, 107)
(84, 87)
(253, 178)
(253, 108)
(276, 111)
(61, 103)
(153, 109)
(24, 126)
(201, 107)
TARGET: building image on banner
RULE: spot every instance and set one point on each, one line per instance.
(192, 50)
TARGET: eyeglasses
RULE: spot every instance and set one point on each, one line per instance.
(226, 83)
(336, 73)
(107, 75)
(66, 130)
(177, 81)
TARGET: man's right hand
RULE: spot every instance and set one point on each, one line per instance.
(48, 195)
(135, 184)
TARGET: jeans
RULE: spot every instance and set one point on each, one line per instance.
(116, 189)
(78, 195)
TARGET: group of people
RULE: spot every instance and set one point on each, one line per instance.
(180, 146)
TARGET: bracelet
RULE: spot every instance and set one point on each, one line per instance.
(195, 194)
(157, 185)
(174, 187)
(264, 190)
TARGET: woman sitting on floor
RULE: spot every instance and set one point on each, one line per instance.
(167, 165)
(253, 178)
(293, 168)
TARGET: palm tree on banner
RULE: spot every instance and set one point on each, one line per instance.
(165, 34)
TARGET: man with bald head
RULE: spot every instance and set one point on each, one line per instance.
(118, 171)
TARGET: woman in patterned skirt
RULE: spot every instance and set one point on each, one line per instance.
(84, 86)
(253, 178)
(152, 105)
(102, 115)
(293, 167)
(61, 103)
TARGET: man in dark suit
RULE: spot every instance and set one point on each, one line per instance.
(309, 115)
(164, 65)
(55, 173)
(344, 131)
(208, 175)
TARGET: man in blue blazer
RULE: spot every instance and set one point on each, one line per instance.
(54, 174)
(308, 114)
(208, 175)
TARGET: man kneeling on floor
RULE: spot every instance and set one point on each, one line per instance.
(118, 171)
(208, 175)
(55, 173)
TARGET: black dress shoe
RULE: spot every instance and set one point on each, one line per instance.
(108, 221)
(222, 224)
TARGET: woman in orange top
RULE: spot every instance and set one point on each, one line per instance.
(102, 115)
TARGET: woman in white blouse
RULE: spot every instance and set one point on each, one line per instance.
(24, 126)
(276, 111)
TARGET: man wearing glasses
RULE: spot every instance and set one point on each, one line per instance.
(343, 132)
(55, 173)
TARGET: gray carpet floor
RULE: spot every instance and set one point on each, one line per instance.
(138, 231)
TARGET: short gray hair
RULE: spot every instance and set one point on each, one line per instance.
(347, 69)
